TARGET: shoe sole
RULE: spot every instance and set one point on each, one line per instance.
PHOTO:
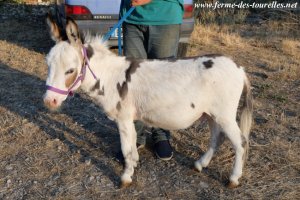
(165, 159)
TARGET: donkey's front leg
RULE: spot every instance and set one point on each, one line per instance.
(129, 150)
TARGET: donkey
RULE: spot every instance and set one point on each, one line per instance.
(169, 94)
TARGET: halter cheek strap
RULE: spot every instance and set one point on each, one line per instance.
(86, 63)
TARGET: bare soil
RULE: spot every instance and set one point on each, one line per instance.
(71, 154)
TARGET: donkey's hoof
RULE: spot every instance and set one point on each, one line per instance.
(197, 167)
(125, 184)
(232, 185)
(125, 181)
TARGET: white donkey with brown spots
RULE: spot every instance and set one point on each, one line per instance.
(169, 94)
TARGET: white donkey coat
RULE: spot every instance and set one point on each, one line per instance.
(169, 94)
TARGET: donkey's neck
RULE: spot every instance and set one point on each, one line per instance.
(108, 68)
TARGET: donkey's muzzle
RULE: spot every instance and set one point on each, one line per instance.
(51, 103)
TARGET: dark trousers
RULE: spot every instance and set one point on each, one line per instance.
(150, 42)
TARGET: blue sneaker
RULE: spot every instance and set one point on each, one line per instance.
(163, 150)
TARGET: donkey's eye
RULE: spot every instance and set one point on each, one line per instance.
(70, 71)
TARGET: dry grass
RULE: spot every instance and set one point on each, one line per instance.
(267, 45)
(291, 47)
(216, 36)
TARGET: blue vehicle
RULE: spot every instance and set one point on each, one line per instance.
(99, 16)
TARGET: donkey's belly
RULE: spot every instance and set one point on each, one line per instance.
(172, 119)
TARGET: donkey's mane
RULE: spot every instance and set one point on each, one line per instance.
(88, 38)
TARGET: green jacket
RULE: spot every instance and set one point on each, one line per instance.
(157, 12)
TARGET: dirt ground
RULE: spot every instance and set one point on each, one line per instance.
(71, 154)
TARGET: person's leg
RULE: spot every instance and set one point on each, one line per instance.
(163, 43)
(141, 136)
(134, 41)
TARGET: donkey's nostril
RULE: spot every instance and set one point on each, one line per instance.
(51, 103)
(54, 102)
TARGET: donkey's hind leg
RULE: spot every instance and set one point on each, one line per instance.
(128, 146)
(233, 132)
(216, 138)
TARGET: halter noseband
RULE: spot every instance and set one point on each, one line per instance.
(86, 63)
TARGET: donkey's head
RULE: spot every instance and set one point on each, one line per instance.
(64, 62)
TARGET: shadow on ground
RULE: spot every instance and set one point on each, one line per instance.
(22, 94)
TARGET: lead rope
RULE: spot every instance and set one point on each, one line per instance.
(118, 26)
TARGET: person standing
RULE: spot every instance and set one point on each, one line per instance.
(152, 31)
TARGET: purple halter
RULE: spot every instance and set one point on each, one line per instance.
(86, 63)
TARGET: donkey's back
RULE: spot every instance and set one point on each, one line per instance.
(177, 92)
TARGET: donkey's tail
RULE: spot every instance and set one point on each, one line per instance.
(246, 116)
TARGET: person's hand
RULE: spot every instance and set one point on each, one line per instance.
(139, 2)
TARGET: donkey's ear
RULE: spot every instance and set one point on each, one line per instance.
(53, 29)
(73, 32)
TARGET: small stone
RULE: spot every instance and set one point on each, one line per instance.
(9, 168)
(8, 182)
(91, 178)
(109, 185)
(98, 179)
(87, 161)
(55, 176)
(35, 182)
(203, 184)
